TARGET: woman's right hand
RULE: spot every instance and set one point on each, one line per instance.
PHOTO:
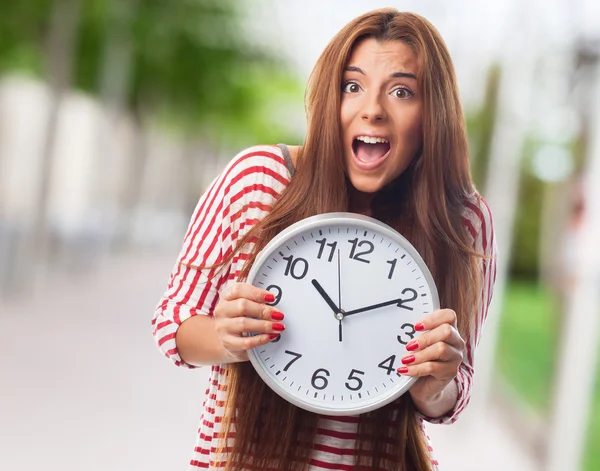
(243, 308)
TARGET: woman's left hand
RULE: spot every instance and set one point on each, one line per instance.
(435, 356)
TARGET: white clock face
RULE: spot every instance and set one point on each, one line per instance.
(351, 290)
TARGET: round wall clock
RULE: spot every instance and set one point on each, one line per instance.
(351, 289)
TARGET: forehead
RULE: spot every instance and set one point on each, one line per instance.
(388, 56)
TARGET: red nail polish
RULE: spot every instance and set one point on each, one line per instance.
(278, 316)
(273, 336)
(279, 327)
(419, 327)
(269, 298)
(403, 370)
(408, 359)
(412, 346)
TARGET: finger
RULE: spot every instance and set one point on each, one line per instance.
(437, 318)
(440, 352)
(241, 307)
(239, 325)
(236, 344)
(247, 291)
(444, 333)
(437, 369)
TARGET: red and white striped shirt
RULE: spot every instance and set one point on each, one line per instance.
(237, 199)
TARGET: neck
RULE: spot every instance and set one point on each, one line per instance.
(360, 202)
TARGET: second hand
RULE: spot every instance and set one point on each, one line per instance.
(339, 294)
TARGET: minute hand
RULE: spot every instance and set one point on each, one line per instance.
(399, 302)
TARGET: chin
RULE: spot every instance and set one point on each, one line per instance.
(366, 184)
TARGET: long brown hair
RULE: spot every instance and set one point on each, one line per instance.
(424, 204)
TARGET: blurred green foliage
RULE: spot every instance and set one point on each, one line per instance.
(189, 60)
(529, 333)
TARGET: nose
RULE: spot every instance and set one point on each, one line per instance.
(373, 109)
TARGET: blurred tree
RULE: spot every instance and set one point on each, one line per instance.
(480, 126)
(526, 254)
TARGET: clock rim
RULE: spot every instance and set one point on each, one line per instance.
(334, 218)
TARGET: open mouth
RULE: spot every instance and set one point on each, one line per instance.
(370, 150)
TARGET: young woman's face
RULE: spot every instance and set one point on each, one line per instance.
(381, 112)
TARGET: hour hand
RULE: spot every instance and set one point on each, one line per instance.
(325, 296)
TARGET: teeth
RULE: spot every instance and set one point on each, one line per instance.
(372, 140)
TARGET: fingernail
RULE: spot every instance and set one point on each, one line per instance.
(269, 298)
(403, 370)
(408, 359)
(419, 327)
(273, 336)
(279, 327)
(412, 346)
(278, 316)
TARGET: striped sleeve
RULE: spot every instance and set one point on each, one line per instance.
(478, 222)
(232, 204)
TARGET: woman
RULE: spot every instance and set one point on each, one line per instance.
(386, 138)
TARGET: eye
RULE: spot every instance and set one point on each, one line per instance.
(403, 93)
(351, 87)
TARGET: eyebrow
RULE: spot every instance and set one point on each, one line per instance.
(352, 68)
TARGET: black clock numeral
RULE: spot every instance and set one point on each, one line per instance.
(388, 364)
(323, 379)
(357, 256)
(408, 300)
(393, 266)
(277, 296)
(292, 264)
(359, 382)
(296, 356)
(410, 333)
(322, 243)
(276, 339)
